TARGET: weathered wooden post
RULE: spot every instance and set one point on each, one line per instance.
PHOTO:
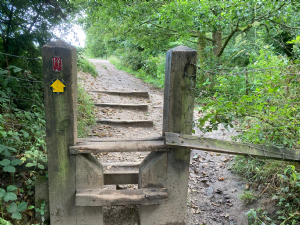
(171, 169)
(60, 93)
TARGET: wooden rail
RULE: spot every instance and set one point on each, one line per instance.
(100, 197)
(120, 106)
(134, 146)
(125, 93)
(80, 140)
(140, 123)
(233, 148)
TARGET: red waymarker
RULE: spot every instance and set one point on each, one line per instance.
(56, 62)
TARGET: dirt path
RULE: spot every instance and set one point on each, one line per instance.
(213, 190)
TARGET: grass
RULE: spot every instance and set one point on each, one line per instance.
(87, 67)
(156, 82)
(85, 114)
(279, 181)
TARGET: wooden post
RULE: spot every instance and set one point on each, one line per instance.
(60, 93)
(171, 169)
(61, 130)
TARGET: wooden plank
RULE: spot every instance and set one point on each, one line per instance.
(119, 106)
(180, 77)
(121, 177)
(121, 173)
(89, 175)
(133, 123)
(233, 148)
(125, 93)
(61, 132)
(122, 164)
(139, 146)
(100, 197)
(80, 140)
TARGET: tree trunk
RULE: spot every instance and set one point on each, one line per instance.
(202, 42)
(217, 41)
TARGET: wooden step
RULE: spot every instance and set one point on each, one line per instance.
(131, 123)
(143, 94)
(121, 173)
(122, 106)
(134, 146)
(80, 140)
(101, 197)
(121, 177)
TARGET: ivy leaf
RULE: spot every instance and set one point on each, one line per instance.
(9, 169)
(5, 162)
(2, 192)
(9, 196)
(16, 216)
(25, 134)
(15, 162)
(6, 151)
(12, 207)
(22, 206)
(11, 188)
(41, 166)
(30, 164)
(15, 69)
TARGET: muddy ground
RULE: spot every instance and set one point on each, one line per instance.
(214, 191)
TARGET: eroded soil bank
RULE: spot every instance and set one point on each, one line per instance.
(214, 192)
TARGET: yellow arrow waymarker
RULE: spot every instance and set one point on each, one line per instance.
(57, 86)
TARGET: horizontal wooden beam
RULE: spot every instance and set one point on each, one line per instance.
(121, 164)
(101, 197)
(125, 93)
(119, 106)
(80, 140)
(121, 177)
(138, 146)
(121, 173)
(132, 123)
(233, 148)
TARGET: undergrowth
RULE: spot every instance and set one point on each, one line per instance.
(147, 73)
(280, 181)
(86, 117)
(23, 152)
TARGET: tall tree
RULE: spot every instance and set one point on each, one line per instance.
(210, 24)
(26, 24)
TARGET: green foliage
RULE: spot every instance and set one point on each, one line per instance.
(84, 65)
(157, 80)
(85, 115)
(263, 100)
(4, 222)
(283, 184)
(247, 196)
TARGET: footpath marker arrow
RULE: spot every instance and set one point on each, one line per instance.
(58, 86)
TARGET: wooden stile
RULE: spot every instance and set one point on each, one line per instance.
(100, 197)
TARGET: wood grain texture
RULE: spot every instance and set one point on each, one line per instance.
(121, 173)
(80, 140)
(125, 93)
(61, 132)
(132, 123)
(122, 106)
(139, 146)
(145, 196)
(213, 145)
(89, 175)
(178, 108)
